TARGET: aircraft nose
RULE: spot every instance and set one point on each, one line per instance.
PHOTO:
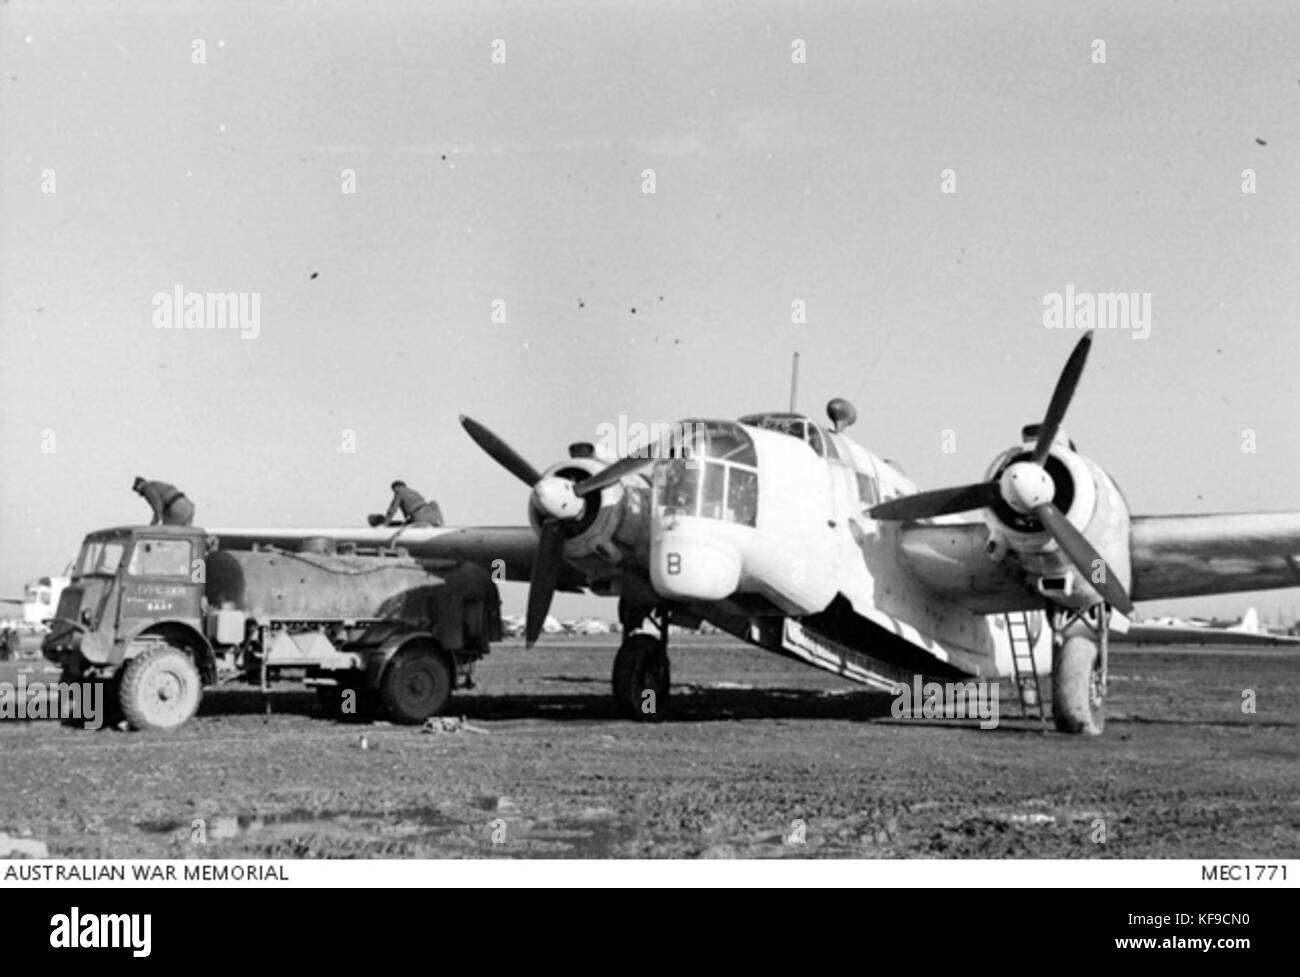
(685, 568)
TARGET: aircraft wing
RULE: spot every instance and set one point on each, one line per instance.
(1172, 556)
(507, 548)
(1188, 556)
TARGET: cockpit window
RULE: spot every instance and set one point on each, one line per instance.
(724, 440)
(795, 425)
(814, 437)
(709, 489)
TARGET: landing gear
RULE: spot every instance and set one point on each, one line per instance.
(1079, 653)
(642, 676)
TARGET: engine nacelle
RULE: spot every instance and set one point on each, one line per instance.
(613, 526)
(1088, 498)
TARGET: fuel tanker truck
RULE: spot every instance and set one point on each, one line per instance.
(160, 612)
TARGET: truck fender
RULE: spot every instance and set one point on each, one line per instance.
(377, 659)
(182, 636)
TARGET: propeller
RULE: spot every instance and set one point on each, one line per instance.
(1027, 488)
(614, 473)
(500, 452)
(541, 587)
(1084, 556)
(939, 502)
(558, 500)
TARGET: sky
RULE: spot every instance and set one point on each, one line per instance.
(498, 157)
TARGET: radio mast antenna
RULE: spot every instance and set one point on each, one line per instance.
(794, 382)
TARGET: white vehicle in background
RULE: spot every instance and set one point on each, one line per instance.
(20, 637)
(589, 625)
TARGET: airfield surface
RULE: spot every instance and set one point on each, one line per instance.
(760, 751)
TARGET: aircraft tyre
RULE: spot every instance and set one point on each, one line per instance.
(642, 678)
(1077, 705)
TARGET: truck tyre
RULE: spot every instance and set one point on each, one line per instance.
(161, 689)
(1077, 705)
(641, 679)
(416, 684)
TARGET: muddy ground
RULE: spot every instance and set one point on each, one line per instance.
(758, 747)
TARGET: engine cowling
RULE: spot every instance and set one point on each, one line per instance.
(612, 526)
(1086, 496)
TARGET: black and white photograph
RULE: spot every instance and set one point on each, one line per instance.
(768, 443)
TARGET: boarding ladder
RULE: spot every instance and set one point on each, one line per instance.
(1023, 665)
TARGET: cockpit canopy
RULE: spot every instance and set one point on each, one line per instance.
(724, 440)
(708, 470)
(796, 426)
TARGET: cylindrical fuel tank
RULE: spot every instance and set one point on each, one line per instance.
(267, 585)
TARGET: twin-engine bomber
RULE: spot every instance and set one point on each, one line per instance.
(793, 537)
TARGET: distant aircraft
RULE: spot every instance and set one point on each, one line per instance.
(1200, 631)
(512, 625)
(796, 539)
(587, 625)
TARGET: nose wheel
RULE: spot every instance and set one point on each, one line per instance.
(642, 676)
(1079, 666)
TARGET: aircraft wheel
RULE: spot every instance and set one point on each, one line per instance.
(1077, 705)
(416, 684)
(642, 678)
(160, 689)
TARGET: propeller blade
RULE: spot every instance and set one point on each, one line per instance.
(938, 502)
(1061, 398)
(501, 453)
(1084, 557)
(614, 473)
(541, 588)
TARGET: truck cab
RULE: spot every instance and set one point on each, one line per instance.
(162, 611)
(125, 581)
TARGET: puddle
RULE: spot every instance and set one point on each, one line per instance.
(593, 833)
(572, 838)
(225, 827)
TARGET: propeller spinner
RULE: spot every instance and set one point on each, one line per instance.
(1027, 488)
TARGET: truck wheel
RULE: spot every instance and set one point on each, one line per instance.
(161, 689)
(416, 685)
(1077, 705)
(641, 679)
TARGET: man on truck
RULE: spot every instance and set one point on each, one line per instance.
(170, 505)
(417, 511)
